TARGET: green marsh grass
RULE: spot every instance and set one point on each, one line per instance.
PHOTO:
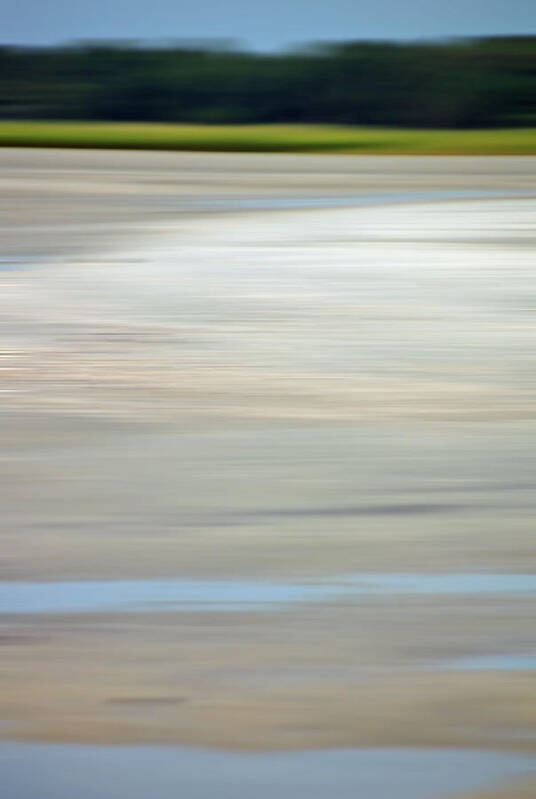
(267, 138)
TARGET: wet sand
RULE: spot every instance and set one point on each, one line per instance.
(199, 391)
(343, 674)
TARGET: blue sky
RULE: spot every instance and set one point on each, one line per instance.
(261, 26)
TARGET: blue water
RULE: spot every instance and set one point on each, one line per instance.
(493, 663)
(350, 200)
(18, 264)
(53, 771)
(239, 595)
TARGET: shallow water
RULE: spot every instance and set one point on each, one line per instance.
(493, 663)
(51, 771)
(343, 201)
(240, 595)
(19, 264)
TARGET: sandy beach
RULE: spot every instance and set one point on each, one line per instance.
(205, 375)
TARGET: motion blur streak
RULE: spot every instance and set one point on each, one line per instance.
(463, 83)
(204, 382)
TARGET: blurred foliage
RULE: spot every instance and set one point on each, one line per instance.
(267, 138)
(456, 84)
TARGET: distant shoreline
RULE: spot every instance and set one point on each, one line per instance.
(267, 138)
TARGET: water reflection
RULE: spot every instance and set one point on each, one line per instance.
(38, 771)
(228, 595)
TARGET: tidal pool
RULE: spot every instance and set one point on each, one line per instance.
(240, 595)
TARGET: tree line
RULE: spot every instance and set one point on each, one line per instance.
(487, 82)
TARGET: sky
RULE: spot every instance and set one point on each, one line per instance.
(260, 26)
